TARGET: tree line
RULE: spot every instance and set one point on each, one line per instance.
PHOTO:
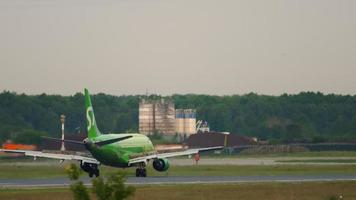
(304, 117)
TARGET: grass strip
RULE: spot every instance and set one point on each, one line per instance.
(342, 161)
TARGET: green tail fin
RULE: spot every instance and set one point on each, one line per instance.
(92, 129)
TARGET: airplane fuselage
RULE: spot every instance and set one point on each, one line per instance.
(119, 153)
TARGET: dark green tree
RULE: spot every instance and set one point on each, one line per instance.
(113, 189)
(80, 192)
(306, 116)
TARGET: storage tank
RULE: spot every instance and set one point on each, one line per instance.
(185, 121)
(179, 121)
(189, 121)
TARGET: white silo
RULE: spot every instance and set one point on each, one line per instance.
(189, 121)
(179, 121)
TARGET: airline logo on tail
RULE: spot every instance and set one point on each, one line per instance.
(90, 118)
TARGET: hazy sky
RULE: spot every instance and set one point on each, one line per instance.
(178, 46)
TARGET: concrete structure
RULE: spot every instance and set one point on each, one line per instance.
(156, 116)
(160, 116)
(185, 121)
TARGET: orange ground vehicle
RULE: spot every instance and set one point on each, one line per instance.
(13, 146)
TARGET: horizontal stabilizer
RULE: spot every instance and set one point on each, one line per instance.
(67, 141)
(99, 143)
(105, 142)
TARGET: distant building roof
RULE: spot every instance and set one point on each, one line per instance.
(211, 139)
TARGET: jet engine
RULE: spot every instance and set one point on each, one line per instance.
(161, 164)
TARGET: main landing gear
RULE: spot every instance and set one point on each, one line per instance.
(91, 169)
(141, 170)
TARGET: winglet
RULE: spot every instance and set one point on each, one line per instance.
(92, 128)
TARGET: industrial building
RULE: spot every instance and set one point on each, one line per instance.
(157, 116)
(160, 116)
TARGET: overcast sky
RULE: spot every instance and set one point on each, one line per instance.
(178, 46)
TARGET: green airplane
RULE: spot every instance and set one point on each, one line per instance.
(117, 150)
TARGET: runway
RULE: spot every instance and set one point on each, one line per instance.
(63, 182)
(217, 161)
(152, 180)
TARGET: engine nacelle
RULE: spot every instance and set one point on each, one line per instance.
(161, 164)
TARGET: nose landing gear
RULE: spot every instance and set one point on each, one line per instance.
(141, 170)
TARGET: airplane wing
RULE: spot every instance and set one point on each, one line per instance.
(172, 154)
(40, 154)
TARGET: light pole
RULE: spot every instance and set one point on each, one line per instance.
(225, 138)
(225, 141)
(63, 119)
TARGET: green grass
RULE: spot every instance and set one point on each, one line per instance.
(20, 172)
(293, 154)
(342, 161)
(251, 191)
(15, 171)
